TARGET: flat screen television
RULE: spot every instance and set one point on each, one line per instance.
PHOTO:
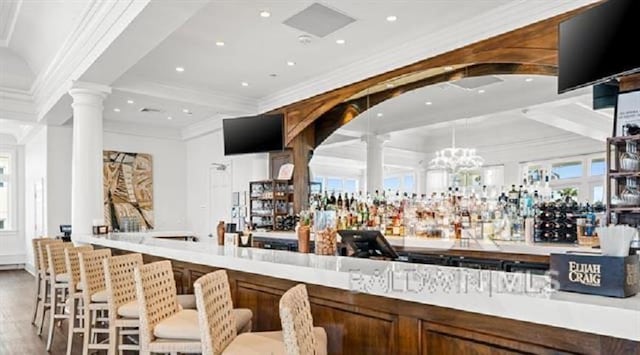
(255, 134)
(598, 44)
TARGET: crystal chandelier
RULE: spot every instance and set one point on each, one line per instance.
(456, 159)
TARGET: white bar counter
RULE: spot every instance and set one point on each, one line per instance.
(507, 295)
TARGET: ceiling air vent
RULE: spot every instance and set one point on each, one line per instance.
(477, 82)
(318, 20)
(151, 110)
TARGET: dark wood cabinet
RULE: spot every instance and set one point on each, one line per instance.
(359, 323)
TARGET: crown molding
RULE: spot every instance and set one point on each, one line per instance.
(100, 24)
(10, 24)
(508, 17)
(16, 105)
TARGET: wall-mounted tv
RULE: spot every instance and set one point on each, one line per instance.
(255, 134)
(598, 44)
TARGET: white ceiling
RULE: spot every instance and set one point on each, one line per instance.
(130, 113)
(34, 31)
(257, 47)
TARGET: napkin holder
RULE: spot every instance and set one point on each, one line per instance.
(611, 276)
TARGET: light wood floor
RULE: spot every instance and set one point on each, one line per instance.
(17, 335)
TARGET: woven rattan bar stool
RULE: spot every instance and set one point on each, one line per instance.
(59, 281)
(94, 298)
(121, 294)
(45, 286)
(74, 302)
(38, 276)
(164, 327)
(298, 336)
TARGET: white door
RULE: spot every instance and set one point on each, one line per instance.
(219, 196)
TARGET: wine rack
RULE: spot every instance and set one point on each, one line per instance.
(556, 223)
(623, 179)
(271, 204)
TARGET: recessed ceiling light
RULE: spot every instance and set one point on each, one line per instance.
(448, 68)
(220, 43)
(129, 101)
(265, 14)
(185, 110)
(428, 103)
(179, 69)
(380, 114)
(391, 18)
(244, 83)
(340, 41)
(528, 80)
(291, 63)
(169, 118)
(273, 75)
(116, 110)
(481, 91)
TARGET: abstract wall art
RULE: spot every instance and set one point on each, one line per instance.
(128, 190)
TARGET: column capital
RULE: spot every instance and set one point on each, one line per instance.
(88, 93)
(377, 138)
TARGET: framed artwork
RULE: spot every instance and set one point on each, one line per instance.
(128, 189)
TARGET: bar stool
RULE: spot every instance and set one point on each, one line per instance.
(44, 279)
(74, 302)
(59, 285)
(94, 298)
(121, 300)
(38, 275)
(164, 328)
(298, 337)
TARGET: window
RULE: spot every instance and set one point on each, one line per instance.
(350, 186)
(564, 192)
(392, 184)
(598, 193)
(598, 167)
(334, 185)
(569, 170)
(5, 190)
(409, 183)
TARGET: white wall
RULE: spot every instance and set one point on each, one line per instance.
(59, 152)
(201, 152)
(35, 171)
(169, 175)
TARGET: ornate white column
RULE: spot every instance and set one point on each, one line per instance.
(86, 166)
(375, 162)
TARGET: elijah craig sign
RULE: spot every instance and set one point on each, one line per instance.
(595, 274)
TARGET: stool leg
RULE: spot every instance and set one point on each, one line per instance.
(37, 303)
(87, 326)
(113, 339)
(71, 323)
(52, 315)
(46, 296)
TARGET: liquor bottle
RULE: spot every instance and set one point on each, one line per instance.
(332, 199)
(339, 201)
(513, 195)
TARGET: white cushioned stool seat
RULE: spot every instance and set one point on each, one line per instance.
(99, 297)
(180, 326)
(62, 277)
(131, 309)
(269, 343)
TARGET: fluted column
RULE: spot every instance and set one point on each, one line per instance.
(86, 167)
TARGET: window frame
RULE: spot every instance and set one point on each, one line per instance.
(12, 193)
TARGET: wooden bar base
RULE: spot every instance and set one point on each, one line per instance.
(359, 323)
